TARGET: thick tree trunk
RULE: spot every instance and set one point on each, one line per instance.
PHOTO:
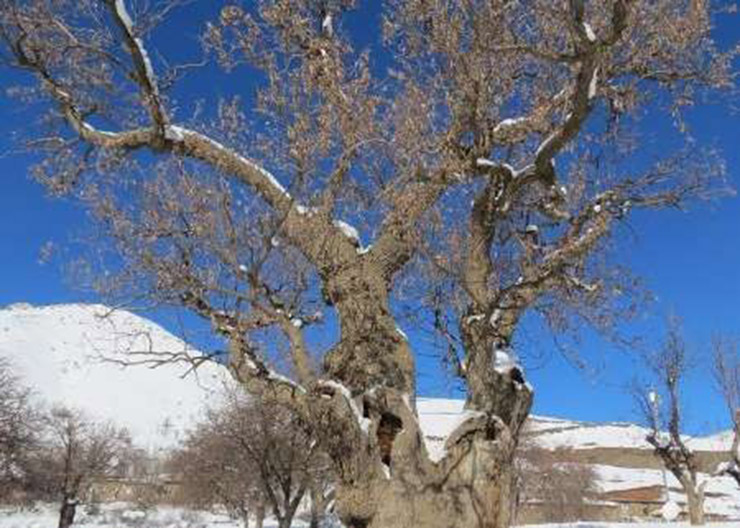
(67, 513)
(372, 351)
(385, 476)
(470, 487)
(473, 491)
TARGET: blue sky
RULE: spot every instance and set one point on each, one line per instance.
(690, 260)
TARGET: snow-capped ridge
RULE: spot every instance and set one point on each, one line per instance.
(63, 353)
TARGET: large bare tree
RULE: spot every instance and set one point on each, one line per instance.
(726, 370)
(484, 151)
(661, 408)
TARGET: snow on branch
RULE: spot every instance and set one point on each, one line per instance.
(206, 149)
(338, 388)
(145, 75)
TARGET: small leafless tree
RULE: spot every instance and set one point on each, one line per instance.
(211, 475)
(660, 407)
(18, 425)
(485, 151)
(562, 490)
(76, 453)
(250, 457)
(726, 370)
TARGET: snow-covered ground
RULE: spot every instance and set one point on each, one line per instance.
(120, 515)
(58, 351)
(123, 516)
(631, 525)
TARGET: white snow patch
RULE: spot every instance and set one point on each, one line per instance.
(504, 361)
(722, 493)
(549, 139)
(483, 162)
(512, 170)
(590, 35)
(509, 123)
(438, 419)
(495, 317)
(670, 511)
(120, 7)
(118, 514)
(593, 84)
(344, 391)
(327, 24)
(303, 210)
(347, 230)
(474, 318)
(174, 133)
(283, 379)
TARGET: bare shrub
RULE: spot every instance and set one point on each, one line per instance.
(77, 452)
(249, 458)
(560, 490)
(18, 434)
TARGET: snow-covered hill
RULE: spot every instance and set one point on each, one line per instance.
(438, 417)
(59, 352)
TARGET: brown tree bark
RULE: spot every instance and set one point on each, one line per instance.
(470, 490)
(695, 500)
(399, 486)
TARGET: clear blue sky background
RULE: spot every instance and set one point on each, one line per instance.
(690, 260)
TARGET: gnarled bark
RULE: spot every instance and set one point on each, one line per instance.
(371, 351)
(398, 485)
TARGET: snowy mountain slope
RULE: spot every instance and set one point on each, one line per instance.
(438, 417)
(58, 352)
(554, 433)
